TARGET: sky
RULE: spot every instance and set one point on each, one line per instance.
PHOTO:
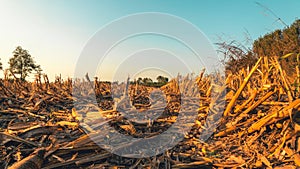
(55, 32)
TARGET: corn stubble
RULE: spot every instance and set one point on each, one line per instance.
(259, 126)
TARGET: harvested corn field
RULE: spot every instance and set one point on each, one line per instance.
(258, 126)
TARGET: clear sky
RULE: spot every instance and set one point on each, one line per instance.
(56, 31)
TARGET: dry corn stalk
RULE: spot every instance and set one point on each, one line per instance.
(34, 161)
(237, 94)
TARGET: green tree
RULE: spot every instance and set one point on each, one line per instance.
(22, 63)
(140, 80)
(162, 80)
(147, 81)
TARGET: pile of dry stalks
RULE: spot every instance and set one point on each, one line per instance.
(258, 126)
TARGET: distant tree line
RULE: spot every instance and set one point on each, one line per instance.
(21, 64)
(161, 80)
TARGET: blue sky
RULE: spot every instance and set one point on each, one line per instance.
(56, 31)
